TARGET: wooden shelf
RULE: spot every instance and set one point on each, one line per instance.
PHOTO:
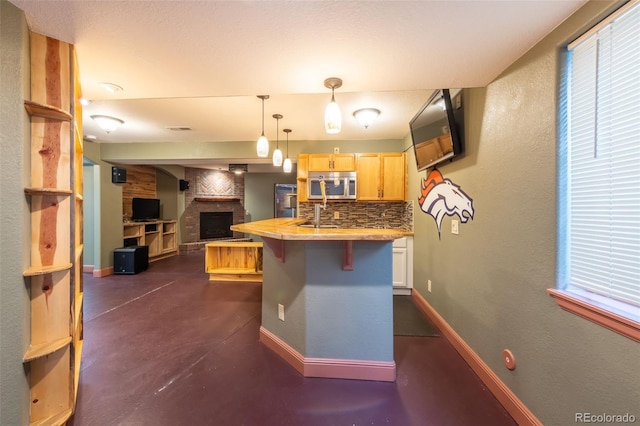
(47, 191)
(77, 311)
(160, 236)
(234, 261)
(52, 361)
(214, 199)
(42, 270)
(78, 346)
(36, 109)
(234, 271)
(57, 419)
(37, 351)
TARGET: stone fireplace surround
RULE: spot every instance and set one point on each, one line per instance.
(210, 191)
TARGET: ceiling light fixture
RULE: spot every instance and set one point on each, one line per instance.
(111, 88)
(106, 123)
(366, 116)
(238, 168)
(286, 167)
(332, 115)
(262, 147)
(277, 154)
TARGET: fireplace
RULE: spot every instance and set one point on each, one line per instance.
(215, 225)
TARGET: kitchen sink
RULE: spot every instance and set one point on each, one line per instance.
(311, 225)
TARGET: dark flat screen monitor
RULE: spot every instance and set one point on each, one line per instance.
(437, 130)
(145, 209)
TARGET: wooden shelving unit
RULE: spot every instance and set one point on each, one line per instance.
(54, 277)
(160, 236)
(169, 241)
(234, 261)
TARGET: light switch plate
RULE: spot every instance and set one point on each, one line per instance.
(454, 227)
(280, 312)
(336, 150)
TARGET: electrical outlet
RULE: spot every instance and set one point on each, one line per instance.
(280, 312)
(336, 150)
(336, 215)
(429, 286)
(455, 227)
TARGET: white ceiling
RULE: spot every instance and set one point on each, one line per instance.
(201, 64)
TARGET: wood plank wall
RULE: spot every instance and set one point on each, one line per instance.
(141, 183)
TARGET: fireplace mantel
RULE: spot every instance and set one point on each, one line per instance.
(215, 199)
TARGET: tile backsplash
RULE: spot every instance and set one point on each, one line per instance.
(351, 214)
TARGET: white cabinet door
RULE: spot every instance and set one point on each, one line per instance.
(402, 265)
(399, 267)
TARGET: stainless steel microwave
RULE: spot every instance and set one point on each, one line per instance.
(338, 185)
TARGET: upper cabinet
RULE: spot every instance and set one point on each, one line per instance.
(303, 172)
(332, 162)
(382, 176)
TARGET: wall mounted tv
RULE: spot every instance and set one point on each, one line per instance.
(437, 130)
(145, 209)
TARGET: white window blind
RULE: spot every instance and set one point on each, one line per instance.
(602, 200)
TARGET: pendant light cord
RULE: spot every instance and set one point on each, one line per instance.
(262, 116)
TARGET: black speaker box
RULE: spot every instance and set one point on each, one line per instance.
(130, 260)
(184, 185)
(118, 175)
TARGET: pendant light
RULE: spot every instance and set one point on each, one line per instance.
(277, 154)
(332, 115)
(286, 167)
(262, 147)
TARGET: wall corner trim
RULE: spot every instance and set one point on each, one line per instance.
(99, 273)
(382, 371)
(520, 413)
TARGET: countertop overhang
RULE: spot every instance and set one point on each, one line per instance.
(289, 229)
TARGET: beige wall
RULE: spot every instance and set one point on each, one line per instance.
(14, 214)
(489, 282)
(108, 214)
(176, 151)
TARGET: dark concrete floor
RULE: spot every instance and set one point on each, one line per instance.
(168, 347)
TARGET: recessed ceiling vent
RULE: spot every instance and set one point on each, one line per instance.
(179, 128)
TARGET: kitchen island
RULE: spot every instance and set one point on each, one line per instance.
(327, 298)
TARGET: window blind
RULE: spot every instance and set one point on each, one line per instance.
(603, 160)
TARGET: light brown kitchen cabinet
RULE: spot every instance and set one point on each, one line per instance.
(303, 173)
(332, 162)
(382, 176)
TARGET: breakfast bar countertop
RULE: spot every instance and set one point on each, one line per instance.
(290, 229)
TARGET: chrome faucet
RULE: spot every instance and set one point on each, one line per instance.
(316, 212)
(316, 215)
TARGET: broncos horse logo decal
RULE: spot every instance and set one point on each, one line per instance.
(441, 197)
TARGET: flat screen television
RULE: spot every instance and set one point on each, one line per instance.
(437, 130)
(145, 209)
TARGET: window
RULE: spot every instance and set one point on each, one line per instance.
(599, 175)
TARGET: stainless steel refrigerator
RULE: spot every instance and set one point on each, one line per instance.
(286, 200)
